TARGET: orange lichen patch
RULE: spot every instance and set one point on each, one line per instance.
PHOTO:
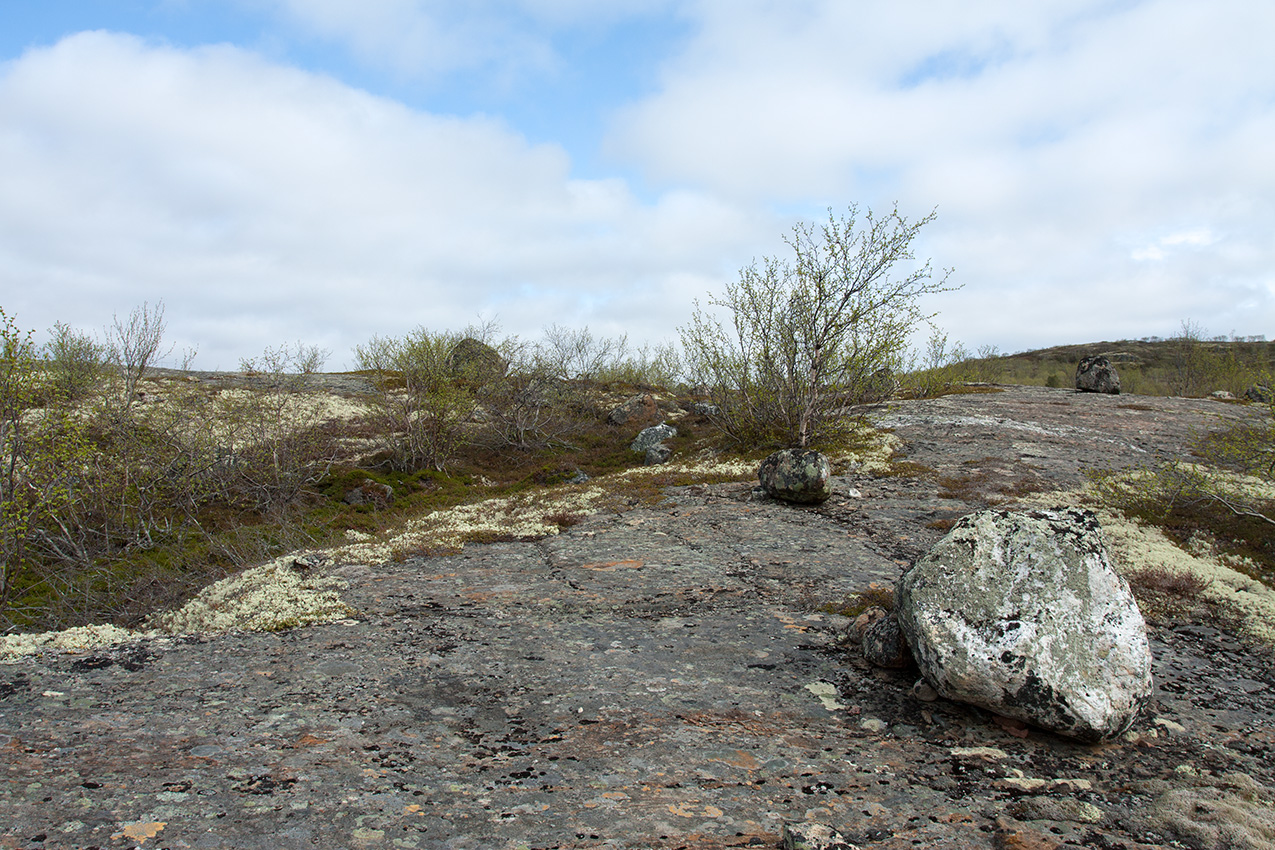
(733, 722)
(141, 832)
(741, 759)
(609, 566)
(691, 810)
(307, 740)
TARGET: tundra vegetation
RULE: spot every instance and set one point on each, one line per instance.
(125, 489)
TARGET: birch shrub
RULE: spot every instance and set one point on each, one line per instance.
(806, 337)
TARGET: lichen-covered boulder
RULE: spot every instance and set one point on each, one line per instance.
(638, 408)
(1097, 375)
(1022, 614)
(803, 476)
(652, 436)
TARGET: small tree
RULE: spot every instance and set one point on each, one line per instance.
(133, 346)
(279, 448)
(41, 453)
(806, 336)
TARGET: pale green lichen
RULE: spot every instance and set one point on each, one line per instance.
(68, 640)
(270, 597)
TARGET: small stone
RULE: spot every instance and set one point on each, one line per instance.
(1096, 375)
(638, 408)
(922, 691)
(873, 724)
(652, 436)
(1070, 785)
(1024, 783)
(813, 836)
(978, 752)
(801, 476)
(1170, 726)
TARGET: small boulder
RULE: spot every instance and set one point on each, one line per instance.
(1259, 394)
(705, 408)
(861, 623)
(1097, 375)
(638, 408)
(884, 646)
(657, 454)
(652, 436)
(1222, 395)
(803, 476)
(1021, 613)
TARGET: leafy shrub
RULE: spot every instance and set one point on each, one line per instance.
(806, 337)
(75, 362)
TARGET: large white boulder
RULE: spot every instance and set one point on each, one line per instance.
(1022, 614)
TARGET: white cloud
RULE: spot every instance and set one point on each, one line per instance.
(1052, 137)
(265, 204)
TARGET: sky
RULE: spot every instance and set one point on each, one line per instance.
(326, 171)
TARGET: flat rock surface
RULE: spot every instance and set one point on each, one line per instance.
(661, 678)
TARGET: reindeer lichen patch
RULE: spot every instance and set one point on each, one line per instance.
(67, 640)
(270, 597)
(527, 516)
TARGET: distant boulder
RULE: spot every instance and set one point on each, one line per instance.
(1021, 613)
(474, 360)
(638, 408)
(803, 476)
(1259, 394)
(1097, 375)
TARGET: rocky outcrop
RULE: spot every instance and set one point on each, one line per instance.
(1097, 375)
(638, 408)
(1022, 614)
(803, 476)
